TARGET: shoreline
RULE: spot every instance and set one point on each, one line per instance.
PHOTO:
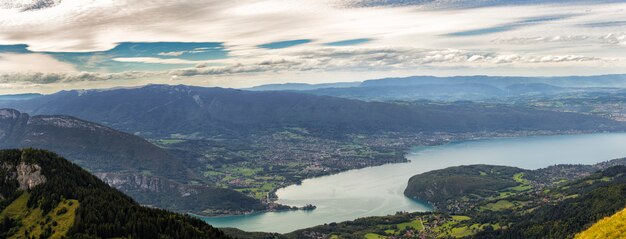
(456, 138)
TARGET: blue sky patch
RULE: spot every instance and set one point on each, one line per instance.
(103, 60)
(351, 42)
(19, 48)
(284, 44)
(181, 50)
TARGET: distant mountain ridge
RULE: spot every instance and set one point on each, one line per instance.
(164, 110)
(615, 80)
(454, 88)
(302, 86)
(19, 96)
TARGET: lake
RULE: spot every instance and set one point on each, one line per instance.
(377, 191)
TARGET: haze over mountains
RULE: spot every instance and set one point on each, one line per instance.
(188, 111)
(456, 88)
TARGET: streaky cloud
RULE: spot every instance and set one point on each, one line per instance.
(284, 44)
(605, 24)
(462, 4)
(350, 42)
(510, 26)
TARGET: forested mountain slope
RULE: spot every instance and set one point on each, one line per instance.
(43, 195)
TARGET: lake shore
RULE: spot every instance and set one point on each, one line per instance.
(377, 191)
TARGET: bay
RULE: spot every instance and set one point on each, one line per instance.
(378, 191)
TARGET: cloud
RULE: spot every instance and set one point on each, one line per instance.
(26, 78)
(194, 51)
(456, 4)
(88, 26)
(155, 60)
(350, 42)
(605, 24)
(168, 38)
(340, 59)
(326, 59)
(28, 5)
(284, 44)
(615, 38)
(540, 39)
(510, 26)
(32, 62)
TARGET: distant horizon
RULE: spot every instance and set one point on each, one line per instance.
(6, 93)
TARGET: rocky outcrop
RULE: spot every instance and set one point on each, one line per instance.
(24, 175)
(134, 182)
(155, 191)
(29, 176)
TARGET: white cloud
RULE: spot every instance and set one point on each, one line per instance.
(26, 5)
(13, 62)
(26, 78)
(99, 25)
(375, 59)
(180, 53)
(403, 38)
(155, 60)
(615, 38)
(542, 39)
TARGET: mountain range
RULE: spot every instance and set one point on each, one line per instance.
(187, 111)
(455, 88)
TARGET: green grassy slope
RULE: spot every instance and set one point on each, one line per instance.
(609, 227)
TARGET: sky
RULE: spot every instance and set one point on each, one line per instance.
(52, 45)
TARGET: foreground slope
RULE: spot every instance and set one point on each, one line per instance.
(43, 195)
(609, 227)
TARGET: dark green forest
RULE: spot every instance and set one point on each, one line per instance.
(103, 212)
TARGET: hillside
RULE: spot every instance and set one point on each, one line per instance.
(458, 189)
(572, 207)
(144, 171)
(45, 196)
(93, 146)
(555, 202)
(609, 227)
(467, 182)
(164, 110)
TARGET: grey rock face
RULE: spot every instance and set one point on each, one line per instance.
(29, 176)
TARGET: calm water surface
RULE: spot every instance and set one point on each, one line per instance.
(377, 191)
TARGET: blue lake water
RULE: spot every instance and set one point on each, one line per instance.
(377, 191)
